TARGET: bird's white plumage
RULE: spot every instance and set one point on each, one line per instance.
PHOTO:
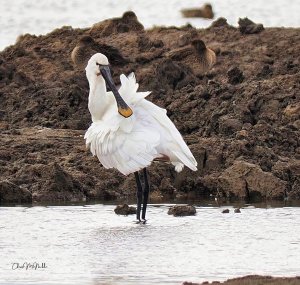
(130, 144)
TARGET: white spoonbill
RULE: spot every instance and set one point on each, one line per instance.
(128, 132)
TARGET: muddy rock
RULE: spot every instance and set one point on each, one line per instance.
(56, 184)
(172, 74)
(11, 193)
(243, 107)
(181, 210)
(125, 210)
(246, 26)
(186, 39)
(289, 171)
(204, 12)
(247, 181)
(220, 22)
(225, 211)
(254, 280)
(166, 187)
(292, 110)
(235, 75)
(229, 125)
(265, 72)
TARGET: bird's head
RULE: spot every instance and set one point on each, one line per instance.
(95, 63)
(98, 67)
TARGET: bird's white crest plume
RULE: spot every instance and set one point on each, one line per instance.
(129, 132)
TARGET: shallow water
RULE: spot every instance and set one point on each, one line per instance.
(40, 17)
(91, 245)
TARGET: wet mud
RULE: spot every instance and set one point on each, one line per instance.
(234, 98)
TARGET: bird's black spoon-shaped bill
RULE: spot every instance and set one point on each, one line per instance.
(123, 108)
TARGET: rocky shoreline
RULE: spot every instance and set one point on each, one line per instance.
(241, 119)
(254, 280)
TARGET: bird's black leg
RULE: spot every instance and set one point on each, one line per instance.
(139, 194)
(146, 194)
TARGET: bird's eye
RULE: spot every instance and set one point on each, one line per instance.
(100, 65)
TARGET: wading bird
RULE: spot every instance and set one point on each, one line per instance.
(128, 132)
(87, 46)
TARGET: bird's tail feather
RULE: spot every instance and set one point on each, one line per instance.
(189, 162)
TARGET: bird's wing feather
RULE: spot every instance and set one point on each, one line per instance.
(126, 151)
(174, 140)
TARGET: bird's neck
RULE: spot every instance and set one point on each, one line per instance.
(98, 98)
(98, 86)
